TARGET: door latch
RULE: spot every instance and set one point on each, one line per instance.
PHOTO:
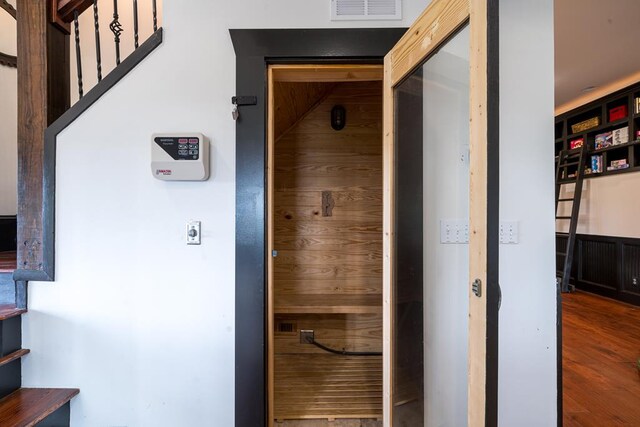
(476, 288)
(239, 101)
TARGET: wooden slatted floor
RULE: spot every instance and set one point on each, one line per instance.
(327, 387)
(332, 423)
(601, 346)
(7, 262)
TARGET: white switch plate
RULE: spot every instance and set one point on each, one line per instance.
(454, 231)
(193, 233)
(509, 232)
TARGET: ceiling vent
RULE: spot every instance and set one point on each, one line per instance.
(365, 10)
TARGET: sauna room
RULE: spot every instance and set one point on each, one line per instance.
(325, 236)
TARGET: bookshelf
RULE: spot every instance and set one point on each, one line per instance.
(627, 150)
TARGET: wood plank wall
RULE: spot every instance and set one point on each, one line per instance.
(328, 271)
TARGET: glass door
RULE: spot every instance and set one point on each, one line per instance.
(441, 293)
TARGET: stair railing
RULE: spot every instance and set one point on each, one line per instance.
(44, 104)
(66, 13)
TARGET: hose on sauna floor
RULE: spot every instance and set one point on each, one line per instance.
(343, 352)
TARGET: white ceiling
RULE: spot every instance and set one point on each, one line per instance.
(597, 42)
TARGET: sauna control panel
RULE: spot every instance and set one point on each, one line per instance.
(180, 157)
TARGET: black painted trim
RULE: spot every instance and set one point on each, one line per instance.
(61, 417)
(255, 49)
(493, 211)
(559, 352)
(8, 232)
(47, 274)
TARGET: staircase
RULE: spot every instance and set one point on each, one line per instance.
(22, 407)
(43, 64)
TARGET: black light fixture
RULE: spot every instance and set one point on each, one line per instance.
(338, 117)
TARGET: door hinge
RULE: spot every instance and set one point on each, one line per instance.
(476, 288)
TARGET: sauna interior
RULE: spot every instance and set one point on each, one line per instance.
(325, 237)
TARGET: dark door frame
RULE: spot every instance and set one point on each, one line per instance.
(255, 50)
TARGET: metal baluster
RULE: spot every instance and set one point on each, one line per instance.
(96, 24)
(116, 29)
(155, 17)
(135, 22)
(78, 56)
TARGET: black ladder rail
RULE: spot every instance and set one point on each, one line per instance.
(565, 159)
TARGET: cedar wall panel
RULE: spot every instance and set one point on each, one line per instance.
(328, 271)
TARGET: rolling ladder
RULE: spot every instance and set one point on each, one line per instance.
(566, 159)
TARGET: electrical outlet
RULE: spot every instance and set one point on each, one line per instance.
(509, 232)
(454, 231)
(306, 336)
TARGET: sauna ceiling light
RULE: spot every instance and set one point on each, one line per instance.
(338, 117)
(365, 10)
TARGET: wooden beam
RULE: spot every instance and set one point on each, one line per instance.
(62, 11)
(43, 95)
(327, 73)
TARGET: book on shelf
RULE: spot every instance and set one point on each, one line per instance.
(617, 113)
(615, 168)
(596, 163)
(620, 136)
(603, 140)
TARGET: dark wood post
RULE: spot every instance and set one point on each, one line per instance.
(43, 95)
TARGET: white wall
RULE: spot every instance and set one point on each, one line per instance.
(8, 118)
(141, 323)
(144, 325)
(607, 207)
(527, 386)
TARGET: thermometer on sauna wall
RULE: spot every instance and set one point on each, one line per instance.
(180, 157)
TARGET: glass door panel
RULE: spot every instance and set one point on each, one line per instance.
(431, 271)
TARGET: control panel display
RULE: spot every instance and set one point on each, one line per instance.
(180, 157)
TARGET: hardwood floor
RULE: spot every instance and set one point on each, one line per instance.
(601, 346)
(7, 262)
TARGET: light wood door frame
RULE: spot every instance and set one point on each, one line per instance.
(441, 20)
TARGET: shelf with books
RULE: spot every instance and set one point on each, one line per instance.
(610, 126)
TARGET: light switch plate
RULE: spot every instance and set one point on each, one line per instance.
(454, 231)
(193, 233)
(509, 233)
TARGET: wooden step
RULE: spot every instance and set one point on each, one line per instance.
(7, 311)
(14, 356)
(28, 406)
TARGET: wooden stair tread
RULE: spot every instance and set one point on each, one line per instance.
(328, 304)
(8, 262)
(14, 356)
(8, 311)
(26, 407)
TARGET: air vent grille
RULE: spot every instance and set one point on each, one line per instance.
(286, 327)
(365, 9)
